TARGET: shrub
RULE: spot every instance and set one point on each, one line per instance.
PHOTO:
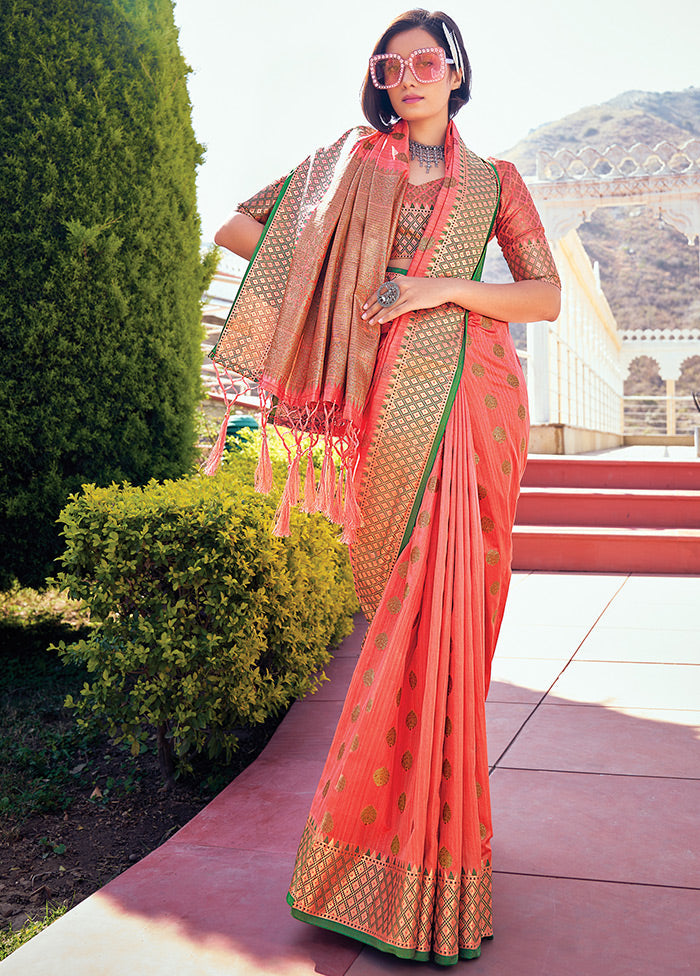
(99, 261)
(206, 622)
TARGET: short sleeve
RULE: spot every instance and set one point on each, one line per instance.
(260, 205)
(519, 230)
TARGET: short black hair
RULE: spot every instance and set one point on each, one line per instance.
(376, 105)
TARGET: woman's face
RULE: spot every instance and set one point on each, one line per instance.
(413, 100)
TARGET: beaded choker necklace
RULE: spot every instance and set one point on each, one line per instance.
(427, 156)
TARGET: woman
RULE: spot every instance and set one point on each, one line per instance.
(352, 317)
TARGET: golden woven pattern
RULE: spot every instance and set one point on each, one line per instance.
(261, 203)
(402, 905)
(418, 203)
(519, 230)
(252, 321)
(420, 385)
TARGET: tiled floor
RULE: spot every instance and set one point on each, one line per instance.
(594, 722)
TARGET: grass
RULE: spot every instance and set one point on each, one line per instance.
(9, 940)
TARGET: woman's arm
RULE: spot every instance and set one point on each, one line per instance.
(240, 234)
(519, 301)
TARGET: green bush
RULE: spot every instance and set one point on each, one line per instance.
(99, 261)
(206, 622)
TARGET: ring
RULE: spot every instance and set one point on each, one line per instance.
(388, 294)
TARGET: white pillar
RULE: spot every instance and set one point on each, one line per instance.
(538, 371)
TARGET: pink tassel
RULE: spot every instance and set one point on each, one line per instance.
(263, 472)
(282, 521)
(327, 483)
(213, 462)
(352, 514)
(337, 503)
(309, 486)
(292, 485)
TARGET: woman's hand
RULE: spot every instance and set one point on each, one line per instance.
(531, 300)
(414, 293)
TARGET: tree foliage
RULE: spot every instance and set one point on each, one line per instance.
(99, 259)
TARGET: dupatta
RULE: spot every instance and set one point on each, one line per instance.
(296, 329)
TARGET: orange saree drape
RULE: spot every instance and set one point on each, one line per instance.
(396, 848)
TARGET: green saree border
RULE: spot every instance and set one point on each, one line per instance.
(440, 432)
(376, 943)
(253, 256)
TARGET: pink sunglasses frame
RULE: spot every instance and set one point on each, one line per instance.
(376, 58)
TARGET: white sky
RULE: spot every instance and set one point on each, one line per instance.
(273, 79)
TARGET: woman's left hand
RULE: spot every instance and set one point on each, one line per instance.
(414, 293)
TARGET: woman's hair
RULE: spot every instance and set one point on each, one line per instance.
(375, 101)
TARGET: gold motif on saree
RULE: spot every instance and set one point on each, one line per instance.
(368, 815)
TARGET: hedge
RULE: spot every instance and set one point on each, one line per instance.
(205, 622)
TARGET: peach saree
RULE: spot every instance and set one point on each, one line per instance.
(396, 848)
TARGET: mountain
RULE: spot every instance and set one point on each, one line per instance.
(649, 273)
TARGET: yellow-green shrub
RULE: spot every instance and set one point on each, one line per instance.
(205, 621)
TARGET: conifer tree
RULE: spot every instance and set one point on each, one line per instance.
(99, 260)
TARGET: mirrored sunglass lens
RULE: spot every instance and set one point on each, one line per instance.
(427, 66)
(388, 71)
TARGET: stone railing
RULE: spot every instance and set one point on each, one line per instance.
(617, 162)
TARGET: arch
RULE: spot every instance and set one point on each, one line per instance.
(570, 186)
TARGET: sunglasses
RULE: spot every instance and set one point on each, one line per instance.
(427, 64)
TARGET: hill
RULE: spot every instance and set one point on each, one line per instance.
(648, 271)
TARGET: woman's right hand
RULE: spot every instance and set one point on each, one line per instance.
(240, 234)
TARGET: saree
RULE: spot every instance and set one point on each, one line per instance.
(396, 848)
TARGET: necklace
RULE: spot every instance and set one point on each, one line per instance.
(427, 156)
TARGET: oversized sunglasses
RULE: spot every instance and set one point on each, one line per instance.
(427, 64)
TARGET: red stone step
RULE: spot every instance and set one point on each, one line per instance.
(609, 507)
(577, 472)
(557, 548)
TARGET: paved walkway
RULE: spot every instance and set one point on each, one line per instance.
(594, 718)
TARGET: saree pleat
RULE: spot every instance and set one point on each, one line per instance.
(396, 850)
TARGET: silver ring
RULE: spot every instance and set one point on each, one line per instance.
(388, 294)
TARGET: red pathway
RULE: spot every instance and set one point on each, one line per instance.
(594, 720)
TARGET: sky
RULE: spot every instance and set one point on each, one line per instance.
(271, 80)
